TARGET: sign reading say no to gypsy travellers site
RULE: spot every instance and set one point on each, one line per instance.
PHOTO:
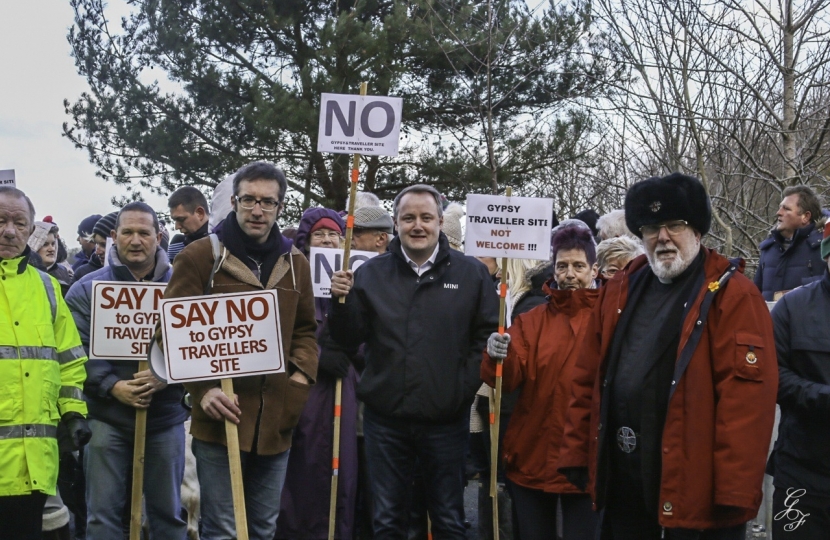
(222, 336)
(512, 227)
(123, 319)
(366, 125)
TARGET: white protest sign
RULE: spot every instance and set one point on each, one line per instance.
(221, 336)
(123, 318)
(326, 261)
(7, 178)
(354, 124)
(512, 227)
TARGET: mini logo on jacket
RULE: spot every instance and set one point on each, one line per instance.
(450, 285)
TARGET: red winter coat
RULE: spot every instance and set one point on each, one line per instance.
(719, 420)
(540, 360)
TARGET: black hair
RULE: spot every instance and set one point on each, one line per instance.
(260, 170)
(138, 206)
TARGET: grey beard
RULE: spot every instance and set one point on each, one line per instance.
(667, 273)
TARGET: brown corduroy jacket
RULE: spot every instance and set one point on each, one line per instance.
(280, 399)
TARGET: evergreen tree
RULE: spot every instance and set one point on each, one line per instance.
(187, 91)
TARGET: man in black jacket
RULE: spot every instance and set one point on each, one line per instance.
(800, 462)
(425, 312)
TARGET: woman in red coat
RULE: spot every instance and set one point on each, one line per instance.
(538, 351)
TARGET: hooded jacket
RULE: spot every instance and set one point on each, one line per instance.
(424, 334)
(540, 363)
(781, 269)
(720, 412)
(166, 406)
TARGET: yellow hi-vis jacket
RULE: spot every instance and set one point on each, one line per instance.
(41, 376)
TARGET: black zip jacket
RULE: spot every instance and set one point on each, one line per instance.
(424, 334)
(801, 457)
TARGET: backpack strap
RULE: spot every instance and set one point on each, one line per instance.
(218, 259)
(697, 331)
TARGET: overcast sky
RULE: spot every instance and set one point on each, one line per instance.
(38, 73)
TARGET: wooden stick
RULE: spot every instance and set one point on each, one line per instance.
(347, 249)
(495, 415)
(138, 467)
(335, 459)
(235, 463)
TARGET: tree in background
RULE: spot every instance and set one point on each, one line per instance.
(186, 91)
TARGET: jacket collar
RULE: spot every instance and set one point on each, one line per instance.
(122, 273)
(16, 265)
(569, 301)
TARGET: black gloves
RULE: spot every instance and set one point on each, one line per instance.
(333, 362)
(73, 432)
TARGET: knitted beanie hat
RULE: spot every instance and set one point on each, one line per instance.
(452, 225)
(105, 225)
(38, 237)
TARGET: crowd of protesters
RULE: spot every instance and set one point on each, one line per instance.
(640, 372)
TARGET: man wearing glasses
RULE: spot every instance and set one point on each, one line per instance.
(674, 388)
(254, 256)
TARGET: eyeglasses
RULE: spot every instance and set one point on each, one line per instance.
(325, 234)
(248, 203)
(672, 227)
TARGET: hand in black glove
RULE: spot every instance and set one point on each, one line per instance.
(334, 362)
(73, 432)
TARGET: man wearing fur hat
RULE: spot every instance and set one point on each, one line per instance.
(799, 462)
(674, 390)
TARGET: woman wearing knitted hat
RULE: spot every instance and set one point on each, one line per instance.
(304, 511)
(44, 245)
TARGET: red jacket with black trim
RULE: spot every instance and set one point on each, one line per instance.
(540, 360)
(720, 417)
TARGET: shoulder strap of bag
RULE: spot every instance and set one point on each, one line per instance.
(697, 332)
(217, 261)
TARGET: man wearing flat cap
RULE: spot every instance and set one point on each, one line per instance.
(674, 390)
(373, 229)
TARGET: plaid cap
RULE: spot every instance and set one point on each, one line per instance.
(373, 217)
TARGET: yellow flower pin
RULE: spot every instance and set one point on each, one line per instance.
(714, 286)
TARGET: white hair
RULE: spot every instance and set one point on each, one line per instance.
(362, 199)
(612, 225)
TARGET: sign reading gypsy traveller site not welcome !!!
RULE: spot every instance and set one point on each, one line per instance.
(222, 336)
(512, 227)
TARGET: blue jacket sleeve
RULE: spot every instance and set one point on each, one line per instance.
(100, 377)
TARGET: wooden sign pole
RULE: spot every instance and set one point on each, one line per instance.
(138, 466)
(335, 460)
(338, 391)
(352, 196)
(235, 463)
(496, 412)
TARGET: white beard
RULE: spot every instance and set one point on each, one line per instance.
(668, 270)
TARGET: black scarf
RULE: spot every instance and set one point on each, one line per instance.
(260, 258)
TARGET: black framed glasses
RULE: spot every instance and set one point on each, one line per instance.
(248, 203)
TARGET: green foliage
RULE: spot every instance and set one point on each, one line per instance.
(187, 91)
